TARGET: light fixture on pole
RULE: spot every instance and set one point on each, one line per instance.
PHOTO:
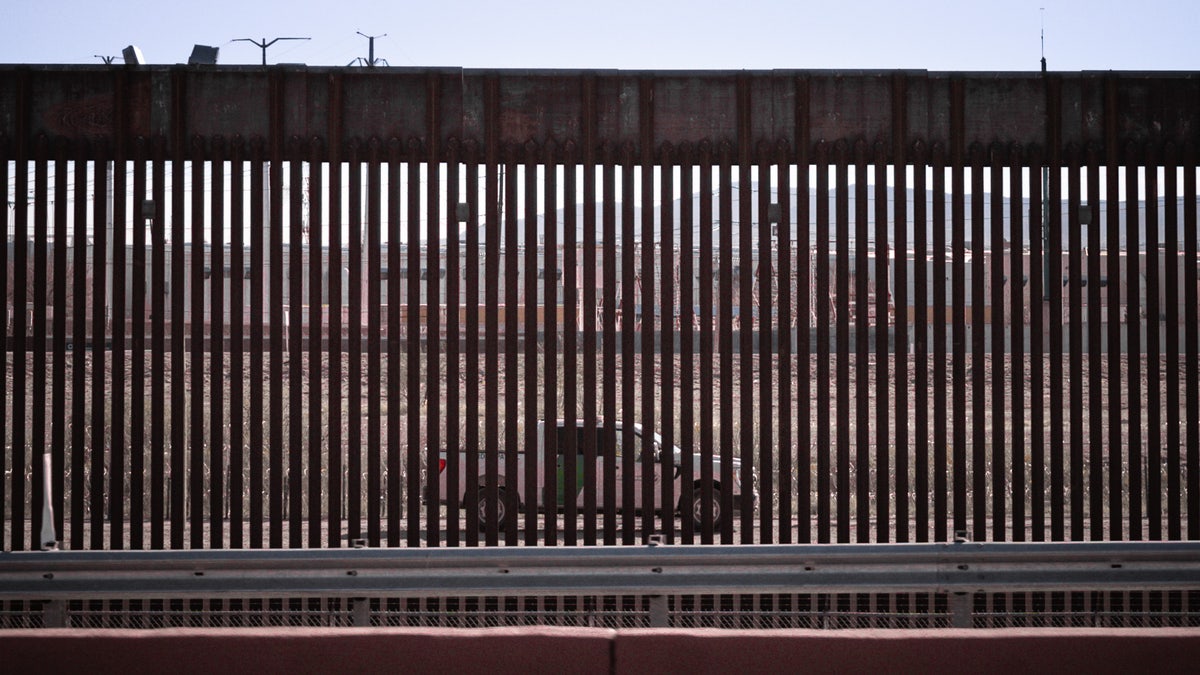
(263, 44)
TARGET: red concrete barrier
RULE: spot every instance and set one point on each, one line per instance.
(1008, 651)
(228, 651)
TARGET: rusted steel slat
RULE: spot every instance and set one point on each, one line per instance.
(237, 345)
(1112, 221)
(706, 341)
(862, 369)
(646, 332)
(178, 335)
(1037, 306)
(275, 267)
(530, 356)
(590, 353)
(433, 322)
(216, 318)
(627, 414)
(354, 304)
(900, 303)
(667, 313)
(745, 346)
(373, 311)
(571, 449)
(137, 411)
(1172, 327)
(18, 345)
(842, 309)
(978, 334)
(75, 538)
(687, 344)
(822, 284)
(921, 327)
(336, 461)
(766, 356)
(410, 457)
(470, 501)
(1095, 403)
(609, 340)
(883, 478)
(99, 246)
(1017, 284)
(550, 331)
(999, 443)
(1133, 239)
(58, 439)
(1075, 346)
(958, 235)
(512, 374)
(1192, 341)
(725, 339)
(491, 397)
(41, 199)
(453, 350)
(196, 359)
(258, 222)
(794, 447)
(316, 264)
(295, 347)
(941, 433)
(6, 154)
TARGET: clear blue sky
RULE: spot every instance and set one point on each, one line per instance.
(644, 34)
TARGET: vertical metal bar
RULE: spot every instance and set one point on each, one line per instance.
(706, 342)
(453, 363)
(1000, 524)
(354, 337)
(608, 340)
(1016, 288)
(295, 349)
(764, 277)
(58, 440)
(492, 237)
(178, 329)
(77, 416)
(433, 440)
(19, 346)
(725, 339)
(550, 332)
(1037, 290)
(628, 321)
(1075, 371)
(1095, 470)
(668, 312)
(197, 318)
(645, 315)
(795, 451)
(411, 459)
(259, 219)
(921, 325)
(1192, 341)
(822, 286)
(511, 497)
(1113, 223)
(470, 500)
(571, 450)
(530, 306)
(37, 439)
(883, 477)
(979, 439)
(99, 331)
(217, 392)
(1133, 351)
(958, 311)
(275, 270)
(316, 253)
(374, 315)
(745, 346)
(687, 344)
(842, 310)
(1057, 385)
(589, 312)
(337, 450)
(1171, 280)
(941, 435)
(237, 344)
(137, 395)
(862, 372)
(78, 337)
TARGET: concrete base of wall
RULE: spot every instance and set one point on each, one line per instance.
(570, 650)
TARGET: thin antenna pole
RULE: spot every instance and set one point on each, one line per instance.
(108, 60)
(263, 44)
(371, 47)
(1043, 14)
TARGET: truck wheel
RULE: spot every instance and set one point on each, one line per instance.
(501, 509)
(698, 508)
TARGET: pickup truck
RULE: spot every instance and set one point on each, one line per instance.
(604, 446)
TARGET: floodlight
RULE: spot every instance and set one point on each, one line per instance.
(133, 56)
(203, 55)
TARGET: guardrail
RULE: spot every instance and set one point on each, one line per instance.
(655, 571)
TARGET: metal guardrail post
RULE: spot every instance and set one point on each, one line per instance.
(659, 616)
(54, 614)
(960, 610)
(360, 611)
